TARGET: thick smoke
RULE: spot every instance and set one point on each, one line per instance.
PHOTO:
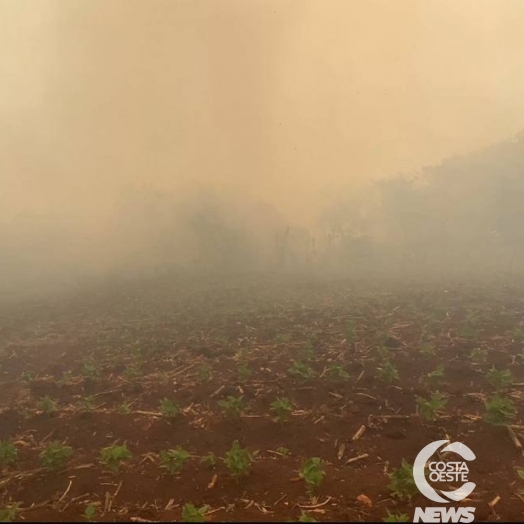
(147, 137)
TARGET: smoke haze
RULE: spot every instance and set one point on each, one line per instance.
(242, 134)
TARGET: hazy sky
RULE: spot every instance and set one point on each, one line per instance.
(291, 101)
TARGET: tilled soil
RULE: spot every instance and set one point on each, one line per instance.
(125, 347)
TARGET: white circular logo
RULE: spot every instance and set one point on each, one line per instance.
(443, 471)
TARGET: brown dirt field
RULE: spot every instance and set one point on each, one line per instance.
(156, 339)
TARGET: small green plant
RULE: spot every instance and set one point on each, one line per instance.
(282, 407)
(434, 378)
(382, 336)
(232, 406)
(520, 473)
(132, 371)
(244, 371)
(191, 513)
(517, 334)
(472, 317)
(9, 513)
(90, 513)
(301, 369)
(169, 409)
(90, 370)
(88, 403)
(312, 473)
(8, 453)
(499, 410)
(427, 349)
(66, 379)
(305, 517)
(337, 371)
(388, 372)
(284, 338)
(396, 517)
(285, 452)
(205, 373)
(125, 408)
(429, 409)
(173, 459)
(47, 405)
(479, 355)
(384, 353)
(238, 460)
(28, 377)
(209, 460)
(402, 484)
(351, 331)
(468, 331)
(309, 350)
(113, 456)
(139, 354)
(56, 455)
(499, 378)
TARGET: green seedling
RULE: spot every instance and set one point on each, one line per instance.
(205, 373)
(351, 331)
(520, 473)
(388, 372)
(312, 473)
(173, 459)
(238, 460)
(499, 378)
(139, 354)
(301, 369)
(284, 338)
(169, 409)
(66, 380)
(468, 331)
(282, 407)
(517, 334)
(337, 371)
(396, 517)
(9, 513)
(232, 406)
(402, 484)
(472, 317)
(90, 370)
(499, 410)
(427, 349)
(28, 377)
(305, 517)
(479, 355)
(209, 460)
(88, 403)
(47, 405)
(285, 452)
(113, 456)
(434, 378)
(382, 337)
(8, 453)
(384, 353)
(56, 455)
(191, 513)
(89, 513)
(429, 409)
(309, 350)
(132, 371)
(425, 332)
(125, 408)
(244, 372)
